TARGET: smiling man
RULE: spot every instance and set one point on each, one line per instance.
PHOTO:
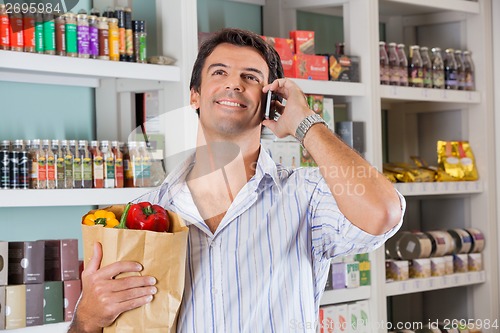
(261, 236)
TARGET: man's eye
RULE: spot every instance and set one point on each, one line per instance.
(251, 77)
(218, 72)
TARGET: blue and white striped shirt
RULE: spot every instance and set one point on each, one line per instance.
(265, 267)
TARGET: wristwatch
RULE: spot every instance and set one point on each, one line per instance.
(306, 124)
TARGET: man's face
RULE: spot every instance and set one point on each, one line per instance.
(230, 96)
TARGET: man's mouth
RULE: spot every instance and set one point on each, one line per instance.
(229, 103)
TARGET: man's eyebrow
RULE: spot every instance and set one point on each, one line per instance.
(249, 69)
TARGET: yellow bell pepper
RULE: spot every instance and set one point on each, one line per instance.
(101, 217)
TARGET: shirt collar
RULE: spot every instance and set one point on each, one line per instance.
(266, 174)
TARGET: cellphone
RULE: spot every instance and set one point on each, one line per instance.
(268, 112)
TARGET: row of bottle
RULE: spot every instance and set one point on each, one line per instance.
(112, 37)
(54, 164)
(455, 71)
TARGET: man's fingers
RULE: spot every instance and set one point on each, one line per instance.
(95, 262)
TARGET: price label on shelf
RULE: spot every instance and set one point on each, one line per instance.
(431, 283)
(394, 90)
(425, 92)
(417, 284)
(404, 286)
(456, 279)
(469, 278)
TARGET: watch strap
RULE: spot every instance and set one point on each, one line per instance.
(306, 124)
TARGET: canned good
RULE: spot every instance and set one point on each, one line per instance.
(462, 239)
(414, 245)
(478, 242)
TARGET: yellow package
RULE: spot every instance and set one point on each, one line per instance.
(456, 159)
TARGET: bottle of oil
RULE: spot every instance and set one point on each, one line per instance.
(109, 165)
(42, 167)
(33, 163)
(118, 155)
(77, 165)
(98, 164)
(51, 165)
(59, 157)
(86, 160)
(68, 164)
(146, 164)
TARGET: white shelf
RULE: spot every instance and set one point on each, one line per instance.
(428, 95)
(345, 295)
(332, 88)
(50, 69)
(439, 188)
(413, 7)
(70, 197)
(434, 283)
(49, 328)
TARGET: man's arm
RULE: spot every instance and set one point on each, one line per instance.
(363, 195)
(104, 298)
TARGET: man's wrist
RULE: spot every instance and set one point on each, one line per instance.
(306, 124)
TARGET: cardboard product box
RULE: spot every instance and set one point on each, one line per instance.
(34, 304)
(53, 309)
(396, 270)
(353, 317)
(285, 48)
(420, 268)
(71, 292)
(338, 275)
(328, 113)
(343, 68)
(306, 159)
(4, 262)
(2, 308)
(311, 67)
(460, 263)
(365, 273)
(329, 282)
(448, 265)
(15, 307)
(303, 41)
(438, 266)
(26, 262)
(352, 274)
(61, 260)
(475, 262)
(352, 133)
(362, 257)
(326, 319)
(364, 317)
(315, 103)
(341, 315)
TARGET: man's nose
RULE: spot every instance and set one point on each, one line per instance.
(234, 83)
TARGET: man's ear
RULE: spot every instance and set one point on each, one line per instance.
(194, 99)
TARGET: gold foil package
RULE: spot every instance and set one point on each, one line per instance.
(457, 160)
(407, 173)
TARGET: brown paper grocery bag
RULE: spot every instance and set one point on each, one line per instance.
(163, 255)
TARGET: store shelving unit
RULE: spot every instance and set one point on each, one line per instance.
(345, 295)
(114, 83)
(413, 119)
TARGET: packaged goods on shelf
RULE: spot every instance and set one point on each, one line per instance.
(475, 262)
(34, 304)
(438, 266)
(2, 307)
(365, 273)
(21, 253)
(71, 292)
(460, 263)
(350, 317)
(4, 259)
(343, 68)
(53, 302)
(61, 259)
(15, 301)
(397, 270)
(457, 160)
(311, 67)
(352, 133)
(420, 268)
(285, 49)
(303, 41)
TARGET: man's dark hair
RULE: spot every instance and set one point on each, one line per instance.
(237, 37)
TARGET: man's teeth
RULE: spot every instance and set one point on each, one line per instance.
(229, 103)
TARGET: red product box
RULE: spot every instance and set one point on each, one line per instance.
(71, 292)
(310, 67)
(303, 41)
(285, 49)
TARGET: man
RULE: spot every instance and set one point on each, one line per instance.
(260, 235)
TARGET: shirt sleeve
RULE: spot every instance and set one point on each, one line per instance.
(334, 235)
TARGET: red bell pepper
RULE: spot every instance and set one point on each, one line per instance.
(145, 216)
